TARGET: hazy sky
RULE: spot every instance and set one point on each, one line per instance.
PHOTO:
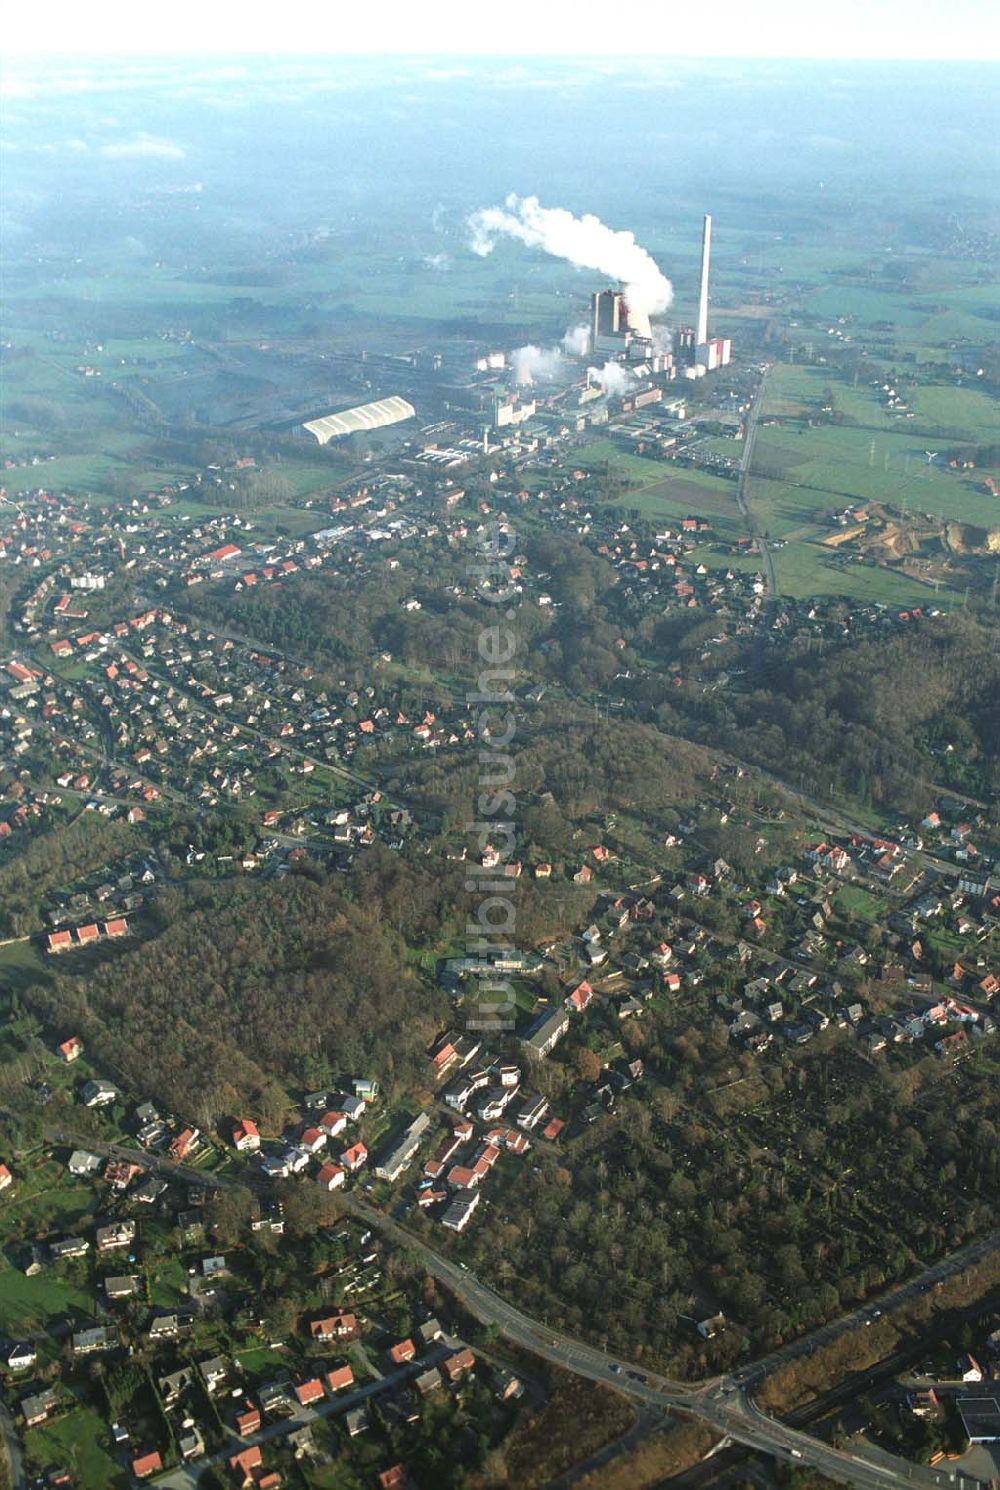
(918, 29)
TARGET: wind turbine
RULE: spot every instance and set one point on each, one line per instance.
(932, 456)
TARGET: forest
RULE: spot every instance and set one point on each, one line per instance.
(875, 720)
(881, 716)
(780, 1196)
(52, 862)
(253, 989)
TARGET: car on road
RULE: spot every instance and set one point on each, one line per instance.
(636, 1376)
(616, 1368)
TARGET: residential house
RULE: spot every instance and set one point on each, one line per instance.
(544, 1034)
(309, 1392)
(333, 1123)
(38, 1406)
(116, 1234)
(143, 1465)
(460, 1211)
(580, 997)
(212, 1372)
(248, 1421)
(246, 1136)
(332, 1177)
(123, 1287)
(89, 1341)
(99, 1094)
(358, 1420)
(354, 1158)
(339, 1326)
(82, 1164)
(184, 1144)
(458, 1364)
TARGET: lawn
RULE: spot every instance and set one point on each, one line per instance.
(168, 1282)
(261, 1363)
(960, 413)
(853, 902)
(21, 965)
(27, 1305)
(65, 473)
(76, 1441)
(802, 473)
(854, 464)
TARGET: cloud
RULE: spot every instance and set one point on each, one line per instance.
(143, 147)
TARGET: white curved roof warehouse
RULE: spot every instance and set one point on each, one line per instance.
(365, 416)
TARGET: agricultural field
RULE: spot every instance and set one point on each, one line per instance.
(661, 491)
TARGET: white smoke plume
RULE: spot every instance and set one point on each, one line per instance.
(613, 378)
(576, 342)
(533, 364)
(663, 339)
(584, 241)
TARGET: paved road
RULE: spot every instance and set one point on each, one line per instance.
(749, 437)
(725, 1404)
(12, 1449)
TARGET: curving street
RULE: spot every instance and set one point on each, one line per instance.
(725, 1403)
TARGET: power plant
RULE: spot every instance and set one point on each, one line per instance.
(618, 330)
(706, 259)
(617, 362)
(709, 353)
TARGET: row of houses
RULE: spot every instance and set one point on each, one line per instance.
(87, 935)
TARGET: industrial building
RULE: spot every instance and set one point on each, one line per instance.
(510, 409)
(617, 330)
(354, 421)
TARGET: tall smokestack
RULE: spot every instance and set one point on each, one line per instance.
(706, 255)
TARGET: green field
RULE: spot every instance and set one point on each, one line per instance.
(76, 1441)
(807, 467)
(28, 1304)
(661, 491)
(804, 570)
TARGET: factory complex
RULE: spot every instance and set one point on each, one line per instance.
(617, 363)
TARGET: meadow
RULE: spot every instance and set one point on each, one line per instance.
(828, 441)
(663, 492)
